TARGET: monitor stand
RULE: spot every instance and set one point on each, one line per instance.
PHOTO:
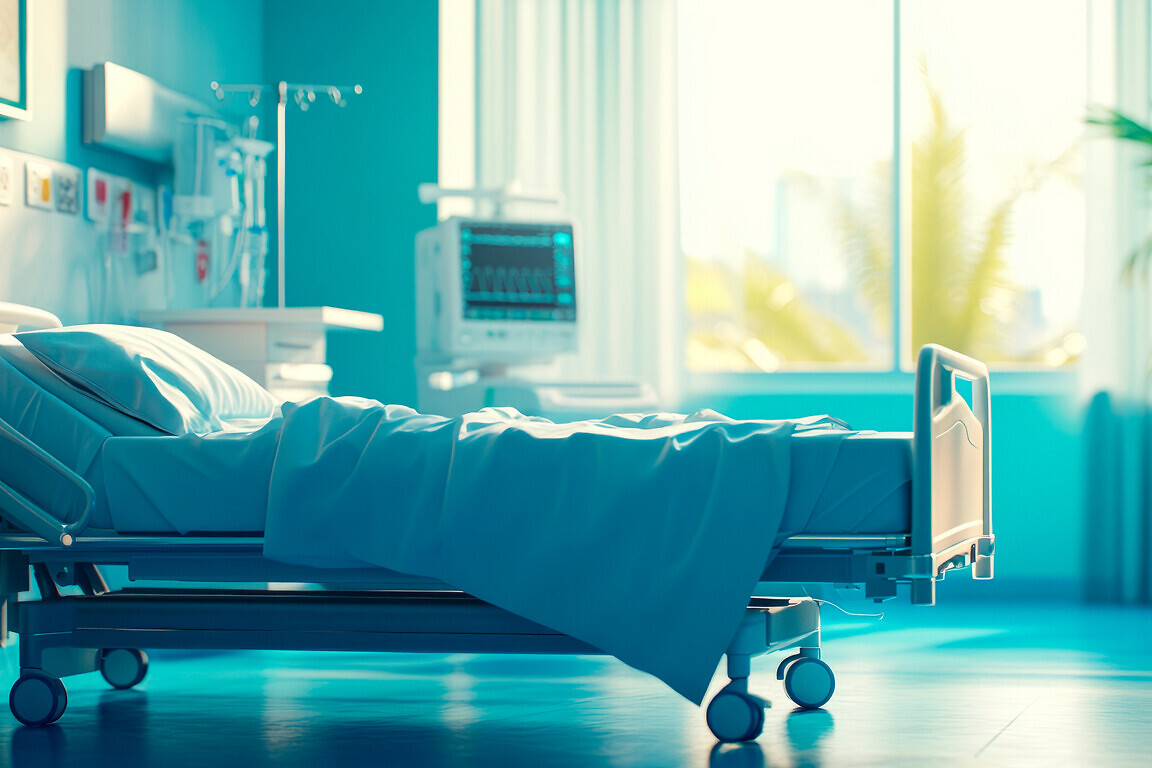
(455, 391)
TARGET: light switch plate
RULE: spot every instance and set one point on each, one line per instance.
(67, 183)
(38, 186)
(6, 179)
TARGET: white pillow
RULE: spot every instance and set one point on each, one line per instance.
(152, 375)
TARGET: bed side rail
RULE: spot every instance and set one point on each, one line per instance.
(25, 513)
(951, 469)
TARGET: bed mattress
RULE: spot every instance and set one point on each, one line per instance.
(855, 483)
(860, 484)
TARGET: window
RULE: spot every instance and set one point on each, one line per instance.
(860, 177)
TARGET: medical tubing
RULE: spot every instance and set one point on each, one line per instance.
(249, 206)
(230, 269)
(822, 601)
(109, 272)
(245, 276)
(260, 169)
(256, 252)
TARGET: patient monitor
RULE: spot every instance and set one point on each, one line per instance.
(497, 290)
(497, 299)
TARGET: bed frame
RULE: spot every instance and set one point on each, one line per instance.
(99, 629)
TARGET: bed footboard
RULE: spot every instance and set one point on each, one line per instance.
(951, 472)
(951, 513)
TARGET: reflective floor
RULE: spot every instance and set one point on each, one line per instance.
(950, 685)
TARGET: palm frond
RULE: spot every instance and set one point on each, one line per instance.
(793, 329)
(940, 239)
(1119, 125)
(983, 280)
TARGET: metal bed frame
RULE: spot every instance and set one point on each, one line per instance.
(101, 629)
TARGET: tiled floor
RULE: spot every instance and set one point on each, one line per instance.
(958, 684)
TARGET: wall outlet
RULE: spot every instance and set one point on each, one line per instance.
(6, 179)
(99, 196)
(38, 185)
(67, 182)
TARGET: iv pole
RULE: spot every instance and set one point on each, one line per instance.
(304, 94)
(281, 177)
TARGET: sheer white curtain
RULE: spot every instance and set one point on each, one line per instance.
(579, 97)
(1117, 321)
(1117, 313)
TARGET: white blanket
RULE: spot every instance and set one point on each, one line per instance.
(641, 535)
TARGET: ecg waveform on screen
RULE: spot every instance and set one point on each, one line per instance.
(512, 284)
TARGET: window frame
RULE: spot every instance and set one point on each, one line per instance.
(879, 378)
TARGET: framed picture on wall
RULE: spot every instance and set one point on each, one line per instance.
(14, 59)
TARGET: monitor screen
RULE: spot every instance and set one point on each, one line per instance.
(517, 271)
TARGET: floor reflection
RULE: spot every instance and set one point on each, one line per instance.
(745, 755)
(1066, 686)
(808, 731)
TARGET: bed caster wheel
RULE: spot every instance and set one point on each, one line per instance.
(123, 667)
(809, 682)
(37, 699)
(736, 716)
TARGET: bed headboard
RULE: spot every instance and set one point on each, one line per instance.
(15, 316)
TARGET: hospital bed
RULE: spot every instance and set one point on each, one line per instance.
(890, 509)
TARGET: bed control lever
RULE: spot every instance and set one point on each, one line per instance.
(27, 514)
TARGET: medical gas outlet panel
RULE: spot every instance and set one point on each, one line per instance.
(499, 291)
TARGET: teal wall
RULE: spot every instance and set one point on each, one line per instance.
(1038, 482)
(352, 213)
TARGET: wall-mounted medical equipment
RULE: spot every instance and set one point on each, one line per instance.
(493, 295)
(130, 112)
(218, 203)
(304, 96)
